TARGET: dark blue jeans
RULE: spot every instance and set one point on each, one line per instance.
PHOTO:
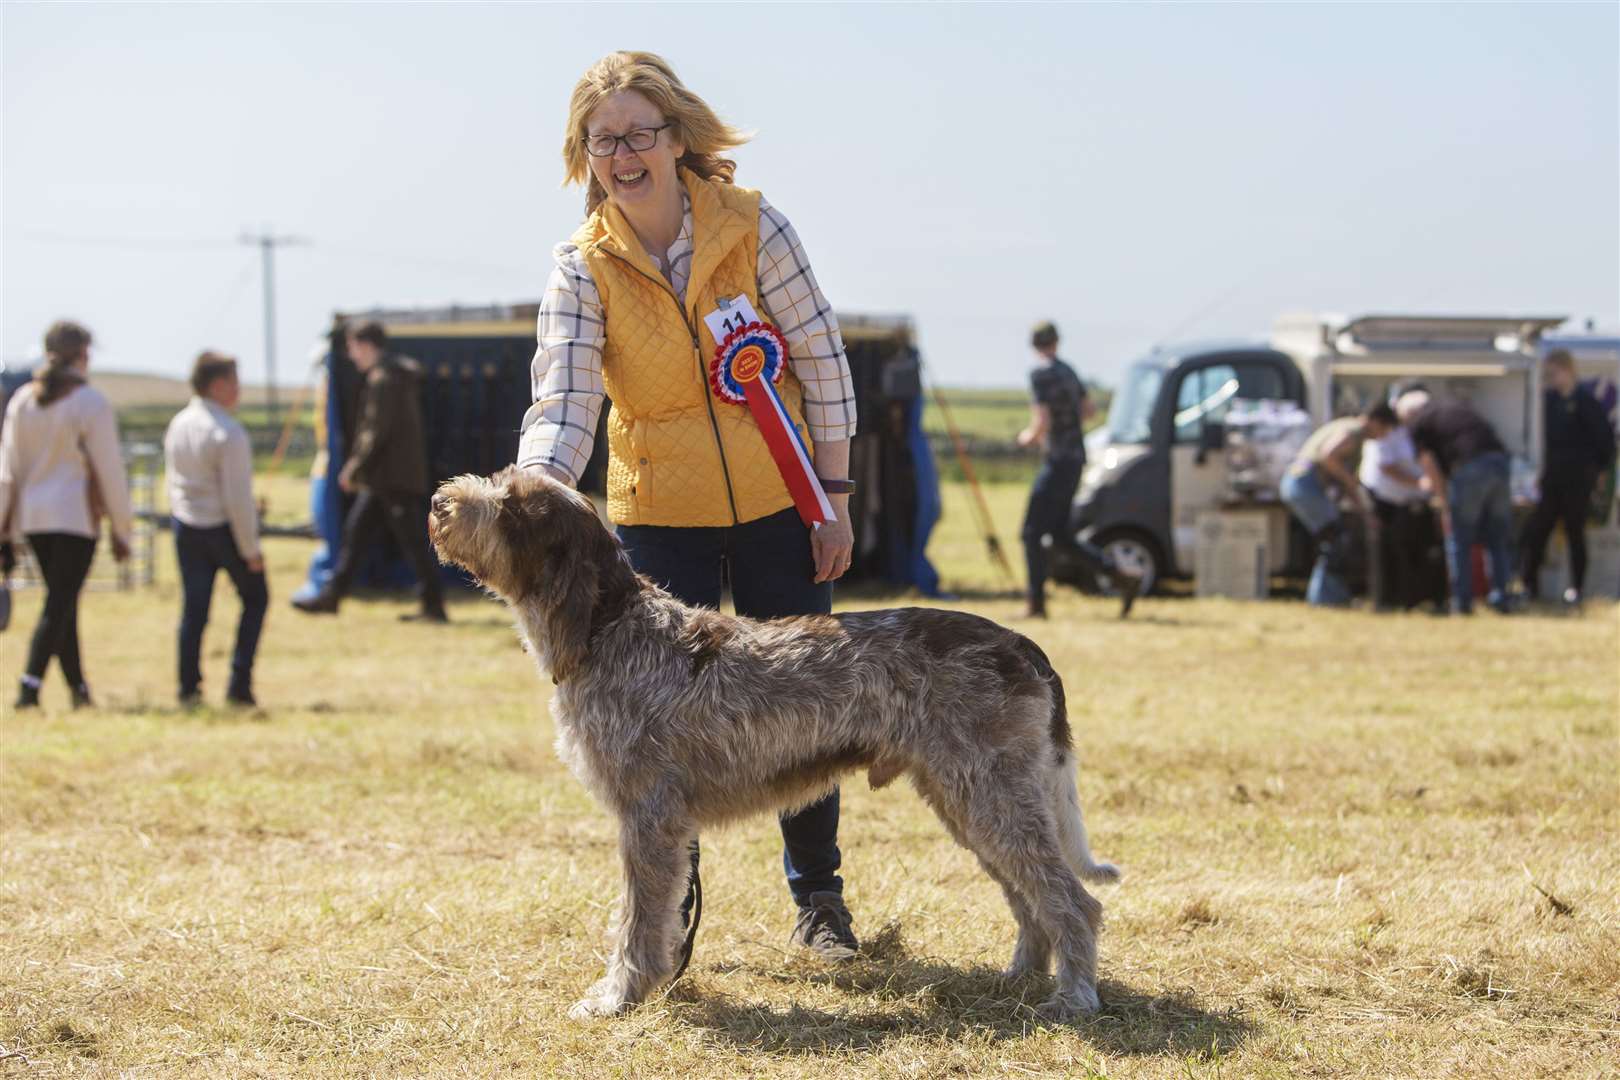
(202, 553)
(1304, 493)
(771, 570)
(1481, 512)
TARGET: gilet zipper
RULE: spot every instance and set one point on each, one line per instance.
(703, 377)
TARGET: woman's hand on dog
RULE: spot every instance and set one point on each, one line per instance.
(833, 545)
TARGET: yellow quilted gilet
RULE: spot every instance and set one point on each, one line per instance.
(676, 454)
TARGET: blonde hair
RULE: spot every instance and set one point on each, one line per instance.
(696, 126)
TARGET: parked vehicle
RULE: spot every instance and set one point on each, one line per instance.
(1164, 461)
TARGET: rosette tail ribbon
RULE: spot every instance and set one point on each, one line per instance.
(746, 368)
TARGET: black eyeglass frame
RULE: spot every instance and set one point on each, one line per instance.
(625, 138)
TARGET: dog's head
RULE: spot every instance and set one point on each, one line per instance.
(535, 543)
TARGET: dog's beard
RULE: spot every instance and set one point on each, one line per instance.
(480, 550)
(467, 533)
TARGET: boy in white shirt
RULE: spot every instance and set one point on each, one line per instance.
(216, 525)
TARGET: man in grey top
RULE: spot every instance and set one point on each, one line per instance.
(216, 525)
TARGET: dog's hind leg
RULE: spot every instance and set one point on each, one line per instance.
(653, 846)
(1032, 953)
(1011, 829)
(1071, 825)
(1033, 950)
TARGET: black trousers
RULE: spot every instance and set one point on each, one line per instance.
(1051, 499)
(1565, 497)
(404, 515)
(64, 562)
(1047, 514)
(1409, 573)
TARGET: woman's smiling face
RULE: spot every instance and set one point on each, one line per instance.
(633, 178)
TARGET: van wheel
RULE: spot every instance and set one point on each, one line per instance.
(1134, 551)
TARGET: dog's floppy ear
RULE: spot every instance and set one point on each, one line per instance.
(567, 553)
(568, 618)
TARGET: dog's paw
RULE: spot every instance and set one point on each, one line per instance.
(1102, 873)
(600, 1005)
(1064, 1008)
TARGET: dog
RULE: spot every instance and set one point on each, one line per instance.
(680, 718)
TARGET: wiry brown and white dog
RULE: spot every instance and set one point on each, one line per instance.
(680, 718)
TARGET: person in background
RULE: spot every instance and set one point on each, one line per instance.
(60, 469)
(1322, 473)
(1392, 476)
(1059, 407)
(1580, 446)
(387, 474)
(1468, 471)
(209, 464)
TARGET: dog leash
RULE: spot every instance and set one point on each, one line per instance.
(691, 927)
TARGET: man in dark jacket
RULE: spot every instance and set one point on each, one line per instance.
(387, 474)
(1580, 446)
(1467, 468)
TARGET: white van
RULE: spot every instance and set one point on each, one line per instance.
(1164, 461)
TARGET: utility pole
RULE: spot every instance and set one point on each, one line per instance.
(267, 242)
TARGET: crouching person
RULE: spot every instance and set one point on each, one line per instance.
(216, 525)
(1322, 473)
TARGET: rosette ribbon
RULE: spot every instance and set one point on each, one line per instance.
(745, 370)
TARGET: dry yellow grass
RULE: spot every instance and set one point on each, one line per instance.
(1354, 846)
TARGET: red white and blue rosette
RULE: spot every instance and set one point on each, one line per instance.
(746, 369)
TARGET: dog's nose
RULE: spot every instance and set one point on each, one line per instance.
(438, 504)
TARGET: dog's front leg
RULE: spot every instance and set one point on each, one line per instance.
(653, 845)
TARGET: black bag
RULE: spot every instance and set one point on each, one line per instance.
(8, 563)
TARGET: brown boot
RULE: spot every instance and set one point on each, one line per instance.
(1035, 606)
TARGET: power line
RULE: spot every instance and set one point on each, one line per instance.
(418, 260)
(125, 243)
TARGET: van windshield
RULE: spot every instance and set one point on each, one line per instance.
(1130, 417)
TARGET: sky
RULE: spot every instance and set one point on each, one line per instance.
(1139, 174)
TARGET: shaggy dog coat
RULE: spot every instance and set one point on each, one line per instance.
(679, 719)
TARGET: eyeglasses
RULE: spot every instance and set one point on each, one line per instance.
(638, 140)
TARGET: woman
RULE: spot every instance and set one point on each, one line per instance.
(697, 495)
(60, 468)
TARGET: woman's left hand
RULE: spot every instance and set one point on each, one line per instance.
(833, 546)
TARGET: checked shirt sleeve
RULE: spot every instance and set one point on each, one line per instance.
(793, 301)
(566, 375)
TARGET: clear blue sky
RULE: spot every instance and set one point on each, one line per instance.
(1132, 172)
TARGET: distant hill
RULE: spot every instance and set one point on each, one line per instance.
(130, 390)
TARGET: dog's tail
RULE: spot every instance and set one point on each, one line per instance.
(1072, 826)
(1065, 797)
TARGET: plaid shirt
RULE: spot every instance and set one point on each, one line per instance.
(560, 427)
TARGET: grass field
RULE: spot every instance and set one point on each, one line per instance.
(1354, 846)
